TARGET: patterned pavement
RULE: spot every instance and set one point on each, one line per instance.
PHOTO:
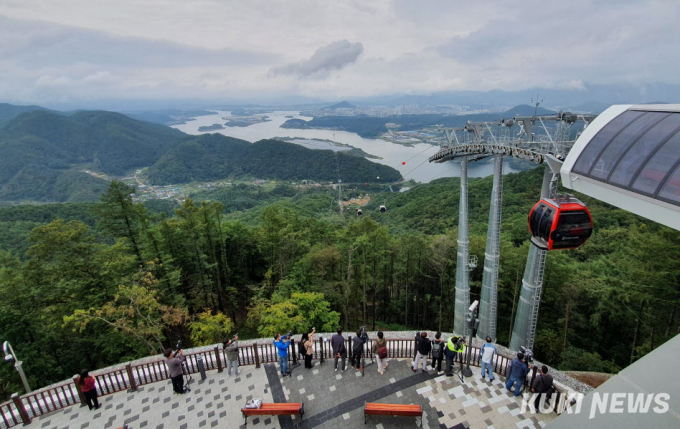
(331, 400)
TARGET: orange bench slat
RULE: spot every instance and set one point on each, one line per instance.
(393, 409)
(273, 409)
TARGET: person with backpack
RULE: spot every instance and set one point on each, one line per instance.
(437, 352)
(358, 348)
(517, 373)
(379, 349)
(339, 349)
(306, 346)
(543, 385)
(488, 351)
(423, 350)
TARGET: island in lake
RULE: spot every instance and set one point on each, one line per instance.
(324, 144)
(245, 121)
(213, 127)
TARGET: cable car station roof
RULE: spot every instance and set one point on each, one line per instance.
(629, 156)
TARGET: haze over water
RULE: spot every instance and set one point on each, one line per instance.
(392, 154)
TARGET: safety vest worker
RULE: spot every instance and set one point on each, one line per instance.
(452, 346)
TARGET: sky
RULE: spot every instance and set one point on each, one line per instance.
(81, 52)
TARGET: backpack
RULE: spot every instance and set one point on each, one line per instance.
(358, 346)
(382, 352)
(436, 349)
(301, 347)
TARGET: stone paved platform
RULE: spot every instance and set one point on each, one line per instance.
(331, 400)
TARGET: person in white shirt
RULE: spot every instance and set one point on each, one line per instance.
(488, 352)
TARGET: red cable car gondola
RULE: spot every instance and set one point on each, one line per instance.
(562, 223)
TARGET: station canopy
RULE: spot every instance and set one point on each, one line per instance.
(629, 156)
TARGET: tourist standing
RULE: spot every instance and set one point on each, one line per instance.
(488, 352)
(282, 345)
(309, 348)
(174, 362)
(358, 349)
(379, 349)
(437, 352)
(543, 385)
(88, 387)
(339, 349)
(231, 347)
(423, 350)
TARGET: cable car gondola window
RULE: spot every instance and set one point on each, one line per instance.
(545, 224)
(591, 152)
(655, 170)
(573, 229)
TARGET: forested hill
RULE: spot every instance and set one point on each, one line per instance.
(371, 126)
(10, 111)
(214, 156)
(40, 149)
(284, 258)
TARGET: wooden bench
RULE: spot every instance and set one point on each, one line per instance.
(274, 410)
(373, 408)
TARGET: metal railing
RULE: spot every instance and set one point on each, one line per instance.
(22, 409)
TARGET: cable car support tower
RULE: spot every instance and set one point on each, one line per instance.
(538, 138)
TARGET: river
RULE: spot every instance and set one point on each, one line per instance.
(417, 167)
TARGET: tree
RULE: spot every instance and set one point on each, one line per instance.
(136, 311)
(210, 328)
(118, 216)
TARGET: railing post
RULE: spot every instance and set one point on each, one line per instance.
(131, 377)
(257, 355)
(20, 407)
(219, 361)
(292, 344)
(83, 402)
(321, 346)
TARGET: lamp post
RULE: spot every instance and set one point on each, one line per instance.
(473, 325)
(10, 356)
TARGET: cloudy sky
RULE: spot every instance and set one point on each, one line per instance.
(84, 51)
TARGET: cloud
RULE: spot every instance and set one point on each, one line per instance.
(36, 44)
(334, 56)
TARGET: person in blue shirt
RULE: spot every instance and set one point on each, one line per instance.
(282, 346)
(488, 352)
(518, 373)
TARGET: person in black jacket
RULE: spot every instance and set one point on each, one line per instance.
(339, 349)
(543, 385)
(437, 352)
(424, 346)
(358, 349)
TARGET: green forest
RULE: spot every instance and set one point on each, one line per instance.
(47, 155)
(214, 156)
(85, 285)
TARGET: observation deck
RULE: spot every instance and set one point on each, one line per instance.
(140, 394)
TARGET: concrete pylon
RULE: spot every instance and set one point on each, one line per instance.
(526, 318)
(463, 257)
(488, 305)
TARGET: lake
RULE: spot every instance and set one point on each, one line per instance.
(417, 167)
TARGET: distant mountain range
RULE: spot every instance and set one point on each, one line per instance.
(341, 105)
(44, 154)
